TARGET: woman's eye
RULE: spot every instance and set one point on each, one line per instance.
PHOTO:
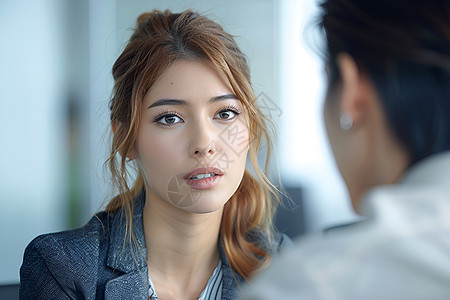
(168, 120)
(226, 114)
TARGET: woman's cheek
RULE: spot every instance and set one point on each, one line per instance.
(235, 139)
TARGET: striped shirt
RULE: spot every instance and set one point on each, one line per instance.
(212, 291)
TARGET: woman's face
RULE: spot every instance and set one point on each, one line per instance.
(193, 139)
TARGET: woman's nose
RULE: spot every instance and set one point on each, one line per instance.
(203, 141)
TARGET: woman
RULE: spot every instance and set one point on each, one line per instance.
(387, 113)
(194, 224)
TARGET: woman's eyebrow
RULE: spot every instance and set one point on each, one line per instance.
(223, 97)
(167, 101)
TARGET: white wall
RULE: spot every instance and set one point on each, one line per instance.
(31, 127)
(305, 156)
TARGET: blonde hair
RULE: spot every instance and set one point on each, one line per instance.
(159, 40)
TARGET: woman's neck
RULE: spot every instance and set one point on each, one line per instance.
(182, 247)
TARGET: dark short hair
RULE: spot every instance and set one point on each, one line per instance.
(404, 47)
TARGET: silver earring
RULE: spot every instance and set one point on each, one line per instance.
(346, 121)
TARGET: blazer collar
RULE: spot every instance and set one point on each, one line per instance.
(135, 280)
(232, 281)
(123, 254)
(130, 285)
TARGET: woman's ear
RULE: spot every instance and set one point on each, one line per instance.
(119, 134)
(357, 90)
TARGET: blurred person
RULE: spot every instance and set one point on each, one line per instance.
(194, 223)
(387, 114)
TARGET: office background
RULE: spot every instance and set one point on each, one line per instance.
(55, 83)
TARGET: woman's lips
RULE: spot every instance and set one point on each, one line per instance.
(204, 178)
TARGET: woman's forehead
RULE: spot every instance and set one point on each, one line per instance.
(189, 80)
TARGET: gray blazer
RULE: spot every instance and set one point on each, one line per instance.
(93, 262)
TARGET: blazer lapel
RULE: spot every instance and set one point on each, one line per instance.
(232, 281)
(124, 256)
(128, 286)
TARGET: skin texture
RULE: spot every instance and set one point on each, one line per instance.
(368, 154)
(181, 235)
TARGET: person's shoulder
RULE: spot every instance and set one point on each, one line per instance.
(318, 260)
(81, 243)
(83, 238)
(293, 274)
(321, 266)
(54, 262)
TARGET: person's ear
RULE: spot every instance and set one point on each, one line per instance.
(356, 90)
(119, 134)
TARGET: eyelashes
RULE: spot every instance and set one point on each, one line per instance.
(171, 117)
(168, 118)
(230, 108)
